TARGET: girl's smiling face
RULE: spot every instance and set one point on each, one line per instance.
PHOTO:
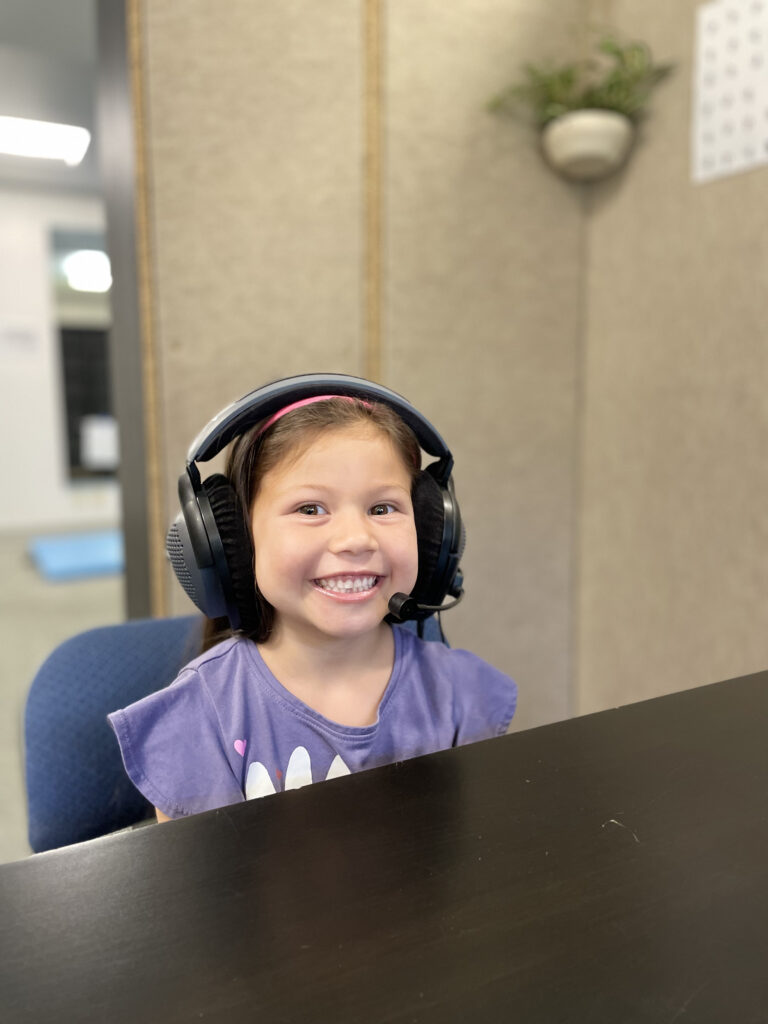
(334, 536)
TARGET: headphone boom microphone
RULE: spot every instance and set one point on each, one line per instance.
(403, 607)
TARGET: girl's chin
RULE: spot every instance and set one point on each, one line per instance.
(347, 619)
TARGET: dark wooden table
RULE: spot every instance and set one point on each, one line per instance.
(613, 868)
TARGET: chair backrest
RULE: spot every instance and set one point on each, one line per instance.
(76, 785)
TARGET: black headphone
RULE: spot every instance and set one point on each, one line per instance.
(209, 543)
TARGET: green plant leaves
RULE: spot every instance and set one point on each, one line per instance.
(621, 78)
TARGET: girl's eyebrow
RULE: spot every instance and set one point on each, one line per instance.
(290, 490)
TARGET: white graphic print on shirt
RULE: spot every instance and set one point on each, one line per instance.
(299, 773)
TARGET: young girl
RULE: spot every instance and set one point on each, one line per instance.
(315, 684)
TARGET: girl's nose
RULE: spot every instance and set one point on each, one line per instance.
(352, 532)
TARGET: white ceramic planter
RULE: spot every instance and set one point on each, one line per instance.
(587, 144)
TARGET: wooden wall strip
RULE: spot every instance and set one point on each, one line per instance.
(373, 15)
(153, 441)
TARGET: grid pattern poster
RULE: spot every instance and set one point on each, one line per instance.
(730, 88)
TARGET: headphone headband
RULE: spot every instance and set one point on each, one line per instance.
(242, 414)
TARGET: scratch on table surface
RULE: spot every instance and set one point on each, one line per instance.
(615, 821)
(224, 812)
(688, 1002)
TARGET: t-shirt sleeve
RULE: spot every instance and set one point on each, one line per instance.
(172, 749)
(484, 698)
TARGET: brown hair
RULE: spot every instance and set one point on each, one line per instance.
(252, 455)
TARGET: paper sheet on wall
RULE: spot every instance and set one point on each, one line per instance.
(730, 88)
(18, 340)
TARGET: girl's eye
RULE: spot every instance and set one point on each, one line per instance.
(311, 509)
(382, 509)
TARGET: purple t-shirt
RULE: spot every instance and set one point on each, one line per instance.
(226, 730)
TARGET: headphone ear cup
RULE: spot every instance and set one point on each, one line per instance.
(228, 515)
(429, 515)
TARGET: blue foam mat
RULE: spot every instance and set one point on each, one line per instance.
(78, 555)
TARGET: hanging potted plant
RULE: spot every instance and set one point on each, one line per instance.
(587, 111)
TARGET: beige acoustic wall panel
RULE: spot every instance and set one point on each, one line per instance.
(483, 284)
(252, 131)
(674, 570)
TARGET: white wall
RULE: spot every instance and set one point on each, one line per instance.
(35, 492)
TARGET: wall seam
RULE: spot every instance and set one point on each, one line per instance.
(597, 13)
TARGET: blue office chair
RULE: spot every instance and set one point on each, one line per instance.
(77, 787)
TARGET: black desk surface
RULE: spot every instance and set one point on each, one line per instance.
(613, 868)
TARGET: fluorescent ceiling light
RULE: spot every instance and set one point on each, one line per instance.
(87, 270)
(21, 137)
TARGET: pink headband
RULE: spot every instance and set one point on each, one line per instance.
(307, 401)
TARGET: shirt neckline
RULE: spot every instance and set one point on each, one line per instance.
(305, 712)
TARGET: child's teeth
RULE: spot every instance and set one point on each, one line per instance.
(349, 584)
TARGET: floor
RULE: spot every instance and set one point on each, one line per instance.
(35, 616)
